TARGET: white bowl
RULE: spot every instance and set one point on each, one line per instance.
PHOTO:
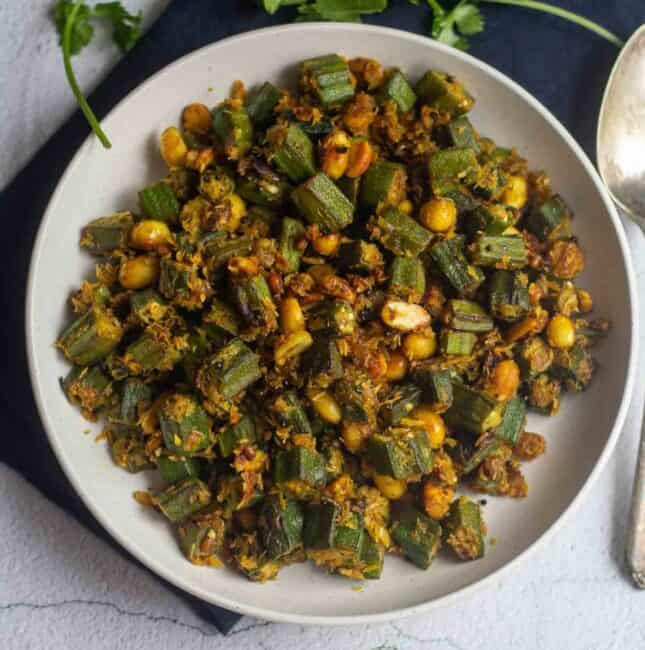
(99, 182)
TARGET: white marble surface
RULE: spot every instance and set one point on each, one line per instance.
(62, 588)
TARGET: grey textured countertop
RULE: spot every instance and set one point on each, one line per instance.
(60, 587)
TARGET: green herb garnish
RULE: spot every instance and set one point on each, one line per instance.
(75, 32)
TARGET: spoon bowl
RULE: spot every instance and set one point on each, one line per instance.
(621, 130)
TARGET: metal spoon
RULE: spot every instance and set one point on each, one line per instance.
(621, 161)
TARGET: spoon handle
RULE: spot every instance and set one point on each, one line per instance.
(636, 528)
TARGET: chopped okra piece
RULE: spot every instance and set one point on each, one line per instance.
(159, 202)
(400, 402)
(251, 558)
(268, 190)
(574, 367)
(155, 349)
(372, 557)
(280, 525)
(128, 449)
(400, 452)
(469, 451)
(400, 234)
(408, 278)
(359, 257)
(228, 372)
(534, 356)
(254, 302)
(218, 250)
(464, 529)
(322, 363)
(501, 252)
(436, 385)
(508, 298)
(221, 319)
(180, 283)
(550, 220)
(292, 151)
(467, 316)
(91, 337)
(450, 261)
(199, 346)
(418, 536)
(201, 537)
(473, 410)
(148, 306)
(491, 219)
(135, 397)
(260, 107)
(242, 432)
(174, 469)
(236, 492)
(460, 133)
(356, 395)
(234, 129)
(350, 187)
(443, 92)
(185, 425)
(383, 185)
(544, 394)
(180, 501)
(291, 413)
(329, 78)
(513, 421)
(291, 232)
(451, 167)
(107, 234)
(452, 342)
(333, 317)
(398, 89)
(89, 388)
(299, 465)
(321, 203)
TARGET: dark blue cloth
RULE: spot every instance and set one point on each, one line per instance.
(563, 65)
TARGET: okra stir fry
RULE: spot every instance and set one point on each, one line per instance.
(325, 325)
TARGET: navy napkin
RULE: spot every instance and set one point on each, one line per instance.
(564, 66)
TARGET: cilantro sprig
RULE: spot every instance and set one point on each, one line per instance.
(452, 26)
(75, 32)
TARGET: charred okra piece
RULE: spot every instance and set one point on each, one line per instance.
(291, 232)
(443, 92)
(241, 433)
(321, 203)
(550, 220)
(107, 234)
(176, 468)
(228, 372)
(185, 425)
(400, 452)
(148, 306)
(467, 316)
(401, 401)
(418, 536)
(436, 385)
(235, 493)
(501, 252)
(329, 78)
(397, 88)
(473, 410)
(128, 449)
(350, 187)
(574, 367)
(400, 233)
(299, 465)
(260, 107)
(180, 283)
(88, 388)
(268, 190)
(471, 452)
(159, 202)
(491, 219)
(292, 151)
(508, 298)
(452, 342)
(201, 537)
(359, 257)
(513, 421)
(254, 301)
(408, 278)
(464, 529)
(251, 558)
(280, 524)
(451, 167)
(234, 129)
(382, 185)
(180, 501)
(91, 337)
(333, 317)
(449, 259)
(291, 413)
(322, 363)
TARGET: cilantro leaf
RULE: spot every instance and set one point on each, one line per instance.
(126, 27)
(468, 19)
(271, 6)
(81, 31)
(451, 27)
(340, 10)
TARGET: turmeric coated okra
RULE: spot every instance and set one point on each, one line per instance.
(330, 316)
